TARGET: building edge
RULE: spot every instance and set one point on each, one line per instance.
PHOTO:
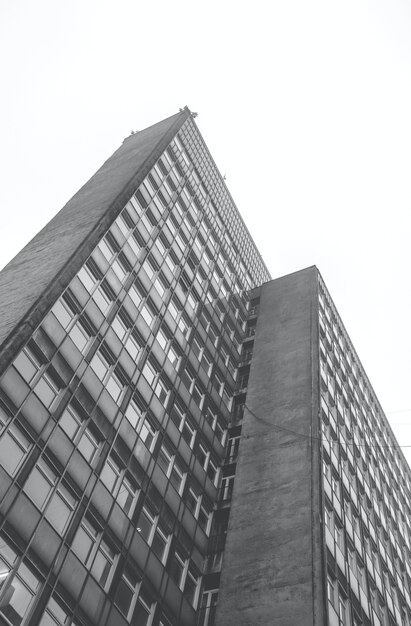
(22, 328)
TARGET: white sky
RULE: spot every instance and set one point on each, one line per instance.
(305, 107)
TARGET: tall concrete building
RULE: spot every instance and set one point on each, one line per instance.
(184, 442)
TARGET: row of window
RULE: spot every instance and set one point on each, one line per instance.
(200, 157)
(19, 585)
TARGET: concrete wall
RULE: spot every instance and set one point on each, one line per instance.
(37, 275)
(272, 572)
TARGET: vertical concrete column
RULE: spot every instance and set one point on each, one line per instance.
(272, 574)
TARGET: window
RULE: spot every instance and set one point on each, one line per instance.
(154, 532)
(103, 297)
(188, 432)
(127, 590)
(232, 449)
(144, 610)
(132, 600)
(125, 222)
(14, 446)
(184, 574)
(95, 552)
(4, 416)
(147, 432)
(18, 585)
(208, 607)
(183, 423)
(133, 346)
(106, 249)
(87, 278)
(64, 311)
(184, 326)
(171, 467)
(202, 455)
(177, 569)
(142, 423)
(218, 383)
(342, 610)
(120, 326)
(120, 271)
(47, 388)
(86, 440)
(187, 378)
(147, 315)
(120, 483)
(134, 244)
(220, 430)
(135, 295)
(191, 585)
(108, 374)
(27, 364)
(54, 615)
(198, 395)
(177, 476)
(55, 499)
(212, 471)
(162, 392)
(199, 508)
(173, 356)
(100, 365)
(150, 373)
(80, 336)
(160, 285)
(197, 348)
(331, 594)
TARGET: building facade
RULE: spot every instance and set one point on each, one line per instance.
(183, 441)
(319, 530)
(121, 327)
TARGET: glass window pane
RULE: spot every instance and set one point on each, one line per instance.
(86, 278)
(145, 524)
(11, 453)
(141, 615)
(80, 336)
(46, 391)
(114, 387)
(159, 544)
(177, 570)
(38, 487)
(126, 496)
(59, 510)
(147, 432)
(70, 422)
(99, 365)
(63, 314)
(133, 414)
(27, 367)
(110, 475)
(132, 347)
(88, 445)
(164, 459)
(83, 543)
(147, 315)
(119, 327)
(101, 300)
(101, 567)
(124, 597)
(19, 603)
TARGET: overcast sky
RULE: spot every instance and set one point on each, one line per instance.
(305, 107)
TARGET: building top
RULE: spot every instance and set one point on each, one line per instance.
(33, 280)
(46, 264)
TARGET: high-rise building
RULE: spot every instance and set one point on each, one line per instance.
(183, 441)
